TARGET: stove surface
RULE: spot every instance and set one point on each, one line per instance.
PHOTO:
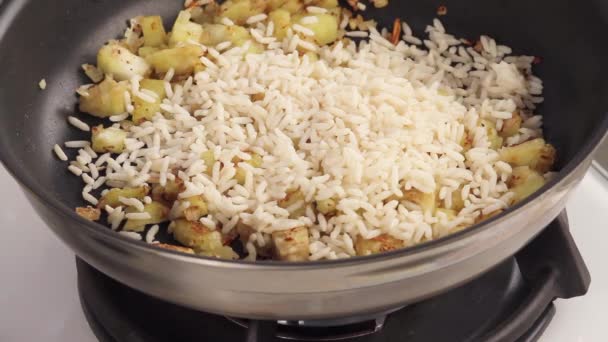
(39, 298)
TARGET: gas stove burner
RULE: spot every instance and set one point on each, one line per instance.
(511, 303)
(341, 329)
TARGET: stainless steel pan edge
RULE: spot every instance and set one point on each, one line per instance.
(317, 290)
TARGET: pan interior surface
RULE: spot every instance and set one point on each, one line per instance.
(51, 40)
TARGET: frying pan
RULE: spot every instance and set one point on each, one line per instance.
(51, 39)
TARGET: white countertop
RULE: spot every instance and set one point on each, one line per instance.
(39, 300)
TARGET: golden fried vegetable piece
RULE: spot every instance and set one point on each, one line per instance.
(169, 192)
(146, 110)
(146, 51)
(292, 244)
(119, 62)
(89, 213)
(379, 244)
(174, 248)
(241, 174)
(482, 218)
(524, 182)
(293, 6)
(93, 73)
(197, 208)
(184, 30)
(326, 3)
(209, 158)
(290, 203)
(203, 240)
(312, 56)
(214, 34)
(457, 201)
(240, 10)
(426, 202)
(326, 206)
(158, 214)
(536, 154)
(154, 31)
(325, 29)
(467, 141)
(281, 20)
(182, 60)
(275, 4)
(109, 139)
(511, 126)
(105, 99)
(111, 198)
(493, 137)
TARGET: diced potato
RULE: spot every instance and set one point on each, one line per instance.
(240, 10)
(511, 126)
(427, 202)
(325, 29)
(93, 73)
(197, 208)
(111, 198)
(169, 192)
(312, 56)
(293, 6)
(105, 99)
(275, 4)
(146, 110)
(154, 31)
(379, 244)
(493, 137)
(119, 62)
(209, 158)
(467, 141)
(524, 182)
(202, 239)
(207, 14)
(281, 20)
(536, 154)
(326, 206)
(482, 218)
(291, 245)
(89, 213)
(292, 198)
(214, 34)
(326, 3)
(146, 51)
(182, 59)
(109, 139)
(241, 174)
(184, 30)
(175, 248)
(457, 201)
(158, 214)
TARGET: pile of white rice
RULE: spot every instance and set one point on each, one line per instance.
(360, 125)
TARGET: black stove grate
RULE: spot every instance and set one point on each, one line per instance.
(511, 303)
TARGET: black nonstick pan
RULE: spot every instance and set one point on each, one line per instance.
(51, 39)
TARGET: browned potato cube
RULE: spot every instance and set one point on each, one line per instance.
(203, 240)
(427, 202)
(292, 198)
(536, 154)
(197, 208)
(291, 245)
(111, 198)
(379, 244)
(109, 139)
(104, 99)
(89, 213)
(524, 182)
(158, 214)
(169, 192)
(511, 126)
